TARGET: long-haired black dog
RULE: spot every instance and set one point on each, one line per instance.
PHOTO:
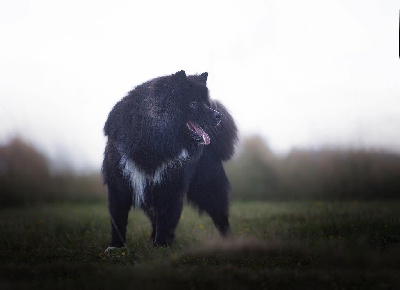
(166, 138)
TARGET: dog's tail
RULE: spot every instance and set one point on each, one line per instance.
(225, 135)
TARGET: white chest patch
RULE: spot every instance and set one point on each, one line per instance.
(139, 179)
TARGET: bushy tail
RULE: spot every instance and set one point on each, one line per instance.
(225, 135)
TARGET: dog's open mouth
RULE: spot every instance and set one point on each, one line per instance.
(198, 133)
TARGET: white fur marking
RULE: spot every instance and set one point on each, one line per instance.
(139, 179)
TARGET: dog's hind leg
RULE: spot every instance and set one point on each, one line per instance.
(209, 192)
(221, 222)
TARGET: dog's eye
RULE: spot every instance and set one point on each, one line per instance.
(194, 105)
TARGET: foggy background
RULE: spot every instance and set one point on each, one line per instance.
(301, 76)
(299, 73)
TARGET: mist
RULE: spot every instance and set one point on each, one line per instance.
(300, 75)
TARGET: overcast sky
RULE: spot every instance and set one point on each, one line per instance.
(299, 73)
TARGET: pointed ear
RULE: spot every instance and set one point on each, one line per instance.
(180, 76)
(203, 78)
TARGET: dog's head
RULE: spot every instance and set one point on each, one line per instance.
(199, 114)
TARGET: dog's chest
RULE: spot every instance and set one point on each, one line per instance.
(139, 179)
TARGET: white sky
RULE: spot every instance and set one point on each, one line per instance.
(299, 73)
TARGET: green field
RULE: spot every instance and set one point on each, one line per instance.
(276, 245)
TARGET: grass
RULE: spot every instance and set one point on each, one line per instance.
(279, 245)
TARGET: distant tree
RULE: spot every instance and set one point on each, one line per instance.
(20, 158)
(253, 173)
(25, 179)
(256, 173)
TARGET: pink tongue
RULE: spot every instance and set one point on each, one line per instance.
(201, 133)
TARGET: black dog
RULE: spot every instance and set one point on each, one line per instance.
(158, 151)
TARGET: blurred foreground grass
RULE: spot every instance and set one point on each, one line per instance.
(276, 245)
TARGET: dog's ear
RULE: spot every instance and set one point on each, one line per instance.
(203, 78)
(179, 77)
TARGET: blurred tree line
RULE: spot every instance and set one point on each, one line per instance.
(26, 178)
(256, 173)
(324, 174)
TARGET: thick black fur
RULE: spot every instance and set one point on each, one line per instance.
(149, 128)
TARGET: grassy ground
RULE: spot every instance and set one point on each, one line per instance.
(280, 245)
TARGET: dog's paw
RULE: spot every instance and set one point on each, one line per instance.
(110, 250)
